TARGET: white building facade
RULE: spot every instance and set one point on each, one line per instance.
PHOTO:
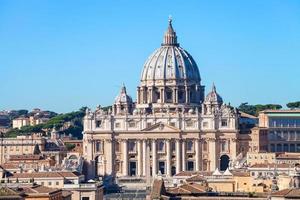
(171, 127)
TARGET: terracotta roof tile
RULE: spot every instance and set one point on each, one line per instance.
(295, 192)
(46, 175)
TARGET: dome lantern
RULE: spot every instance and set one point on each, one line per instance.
(170, 37)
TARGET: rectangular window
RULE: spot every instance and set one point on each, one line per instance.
(98, 123)
(85, 198)
(49, 183)
(205, 124)
(132, 124)
(169, 95)
(161, 146)
(173, 146)
(224, 123)
(189, 123)
(117, 125)
(131, 146)
(99, 146)
(57, 183)
(190, 146)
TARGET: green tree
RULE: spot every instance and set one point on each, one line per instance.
(255, 109)
(293, 105)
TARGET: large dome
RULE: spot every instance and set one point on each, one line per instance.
(170, 62)
(170, 78)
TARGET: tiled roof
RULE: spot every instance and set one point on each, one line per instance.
(195, 178)
(10, 165)
(40, 189)
(25, 157)
(46, 175)
(158, 188)
(294, 192)
(189, 188)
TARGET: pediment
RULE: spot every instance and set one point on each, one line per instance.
(161, 127)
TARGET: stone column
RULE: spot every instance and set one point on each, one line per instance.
(183, 156)
(140, 158)
(168, 160)
(178, 157)
(212, 153)
(162, 95)
(154, 159)
(138, 95)
(232, 149)
(197, 149)
(144, 157)
(109, 156)
(125, 158)
(176, 95)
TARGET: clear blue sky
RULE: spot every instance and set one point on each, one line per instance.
(60, 55)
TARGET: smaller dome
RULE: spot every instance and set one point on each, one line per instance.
(213, 96)
(123, 97)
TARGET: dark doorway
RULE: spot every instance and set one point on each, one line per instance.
(173, 170)
(96, 166)
(132, 168)
(224, 162)
(161, 167)
(190, 166)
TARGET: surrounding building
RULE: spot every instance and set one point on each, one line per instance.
(20, 145)
(65, 181)
(32, 191)
(35, 117)
(27, 163)
(20, 122)
(172, 126)
(283, 128)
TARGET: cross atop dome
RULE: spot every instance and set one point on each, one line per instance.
(170, 37)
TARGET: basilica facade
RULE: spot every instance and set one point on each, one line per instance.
(171, 127)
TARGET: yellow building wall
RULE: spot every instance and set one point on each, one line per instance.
(221, 186)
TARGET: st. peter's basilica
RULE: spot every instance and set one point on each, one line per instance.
(171, 127)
